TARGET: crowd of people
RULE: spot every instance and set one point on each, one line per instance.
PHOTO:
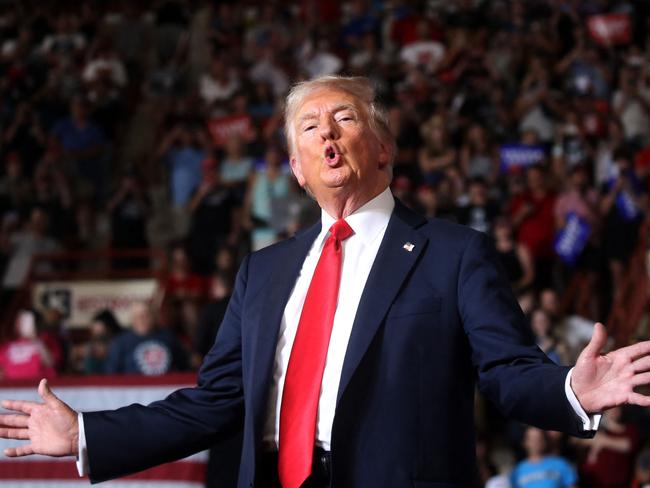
(158, 124)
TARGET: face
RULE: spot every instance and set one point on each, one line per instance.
(540, 323)
(141, 319)
(534, 441)
(336, 153)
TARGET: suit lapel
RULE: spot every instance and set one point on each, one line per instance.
(390, 269)
(286, 267)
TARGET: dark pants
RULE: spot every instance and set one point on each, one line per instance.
(266, 475)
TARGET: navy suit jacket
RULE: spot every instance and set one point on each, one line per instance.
(432, 323)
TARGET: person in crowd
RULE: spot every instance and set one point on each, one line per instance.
(477, 155)
(23, 244)
(185, 292)
(215, 212)
(182, 283)
(604, 165)
(53, 194)
(219, 83)
(25, 139)
(183, 152)
(25, 357)
(84, 147)
(577, 206)
(539, 469)
(515, 257)
(532, 215)
(103, 329)
(144, 348)
(542, 327)
(632, 106)
(66, 39)
(437, 155)
(480, 211)
(622, 206)
(129, 210)
(16, 190)
(267, 198)
(236, 167)
(537, 102)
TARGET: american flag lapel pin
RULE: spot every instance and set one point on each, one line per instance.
(409, 246)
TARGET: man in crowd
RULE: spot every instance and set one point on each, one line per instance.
(370, 386)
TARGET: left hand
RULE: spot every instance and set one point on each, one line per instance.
(605, 381)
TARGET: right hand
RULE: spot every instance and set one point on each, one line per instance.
(50, 427)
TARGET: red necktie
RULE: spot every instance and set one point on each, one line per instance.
(307, 362)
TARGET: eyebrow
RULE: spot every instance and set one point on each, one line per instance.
(339, 108)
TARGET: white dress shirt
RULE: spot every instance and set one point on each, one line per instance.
(369, 224)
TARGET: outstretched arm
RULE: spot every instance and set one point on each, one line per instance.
(50, 427)
(603, 381)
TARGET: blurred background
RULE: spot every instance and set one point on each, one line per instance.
(142, 156)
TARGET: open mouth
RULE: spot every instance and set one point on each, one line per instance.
(331, 156)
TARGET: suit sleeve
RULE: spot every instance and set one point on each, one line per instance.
(136, 437)
(511, 370)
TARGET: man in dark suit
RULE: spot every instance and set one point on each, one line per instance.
(423, 315)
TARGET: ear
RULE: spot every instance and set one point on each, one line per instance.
(296, 167)
(385, 151)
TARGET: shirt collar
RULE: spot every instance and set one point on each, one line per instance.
(368, 220)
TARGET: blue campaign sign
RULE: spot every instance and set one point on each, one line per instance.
(572, 239)
(520, 155)
(624, 202)
(626, 206)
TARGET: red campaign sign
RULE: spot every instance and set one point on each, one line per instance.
(223, 128)
(610, 29)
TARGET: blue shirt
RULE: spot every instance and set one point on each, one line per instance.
(73, 137)
(184, 173)
(550, 472)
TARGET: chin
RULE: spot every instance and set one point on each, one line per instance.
(335, 178)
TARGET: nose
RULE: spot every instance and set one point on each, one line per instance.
(327, 128)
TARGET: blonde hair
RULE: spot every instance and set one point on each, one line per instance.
(357, 86)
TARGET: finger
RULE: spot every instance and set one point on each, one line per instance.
(19, 405)
(19, 451)
(641, 364)
(639, 399)
(641, 379)
(636, 350)
(597, 342)
(45, 392)
(21, 434)
(8, 420)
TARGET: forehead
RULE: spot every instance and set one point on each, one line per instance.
(327, 100)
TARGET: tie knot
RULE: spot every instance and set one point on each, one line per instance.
(341, 230)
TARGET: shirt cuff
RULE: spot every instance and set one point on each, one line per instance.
(82, 457)
(589, 422)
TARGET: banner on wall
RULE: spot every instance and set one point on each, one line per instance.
(610, 29)
(81, 300)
